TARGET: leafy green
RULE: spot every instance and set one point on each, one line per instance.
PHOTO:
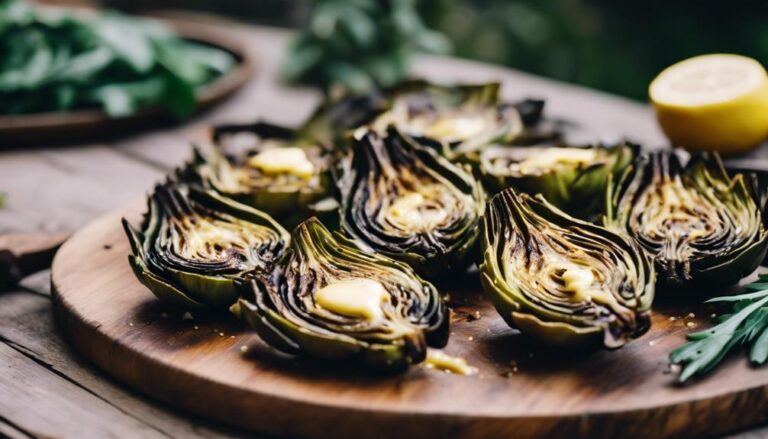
(360, 44)
(747, 325)
(56, 60)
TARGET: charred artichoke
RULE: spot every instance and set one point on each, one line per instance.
(405, 201)
(194, 244)
(330, 300)
(269, 168)
(456, 120)
(563, 280)
(573, 179)
(702, 227)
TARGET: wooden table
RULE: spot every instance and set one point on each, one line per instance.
(46, 389)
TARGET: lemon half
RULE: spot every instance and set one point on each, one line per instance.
(713, 102)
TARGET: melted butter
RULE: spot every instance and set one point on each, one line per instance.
(580, 281)
(552, 157)
(412, 212)
(283, 160)
(456, 127)
(577, 280)
(354, 298)
(437, 359)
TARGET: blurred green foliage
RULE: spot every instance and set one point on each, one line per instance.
(359, 44)
(57, 60)
(617, 46)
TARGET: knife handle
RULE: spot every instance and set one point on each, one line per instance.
(22, 254)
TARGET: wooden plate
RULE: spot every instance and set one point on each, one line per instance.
(523, 390)
(85, 125)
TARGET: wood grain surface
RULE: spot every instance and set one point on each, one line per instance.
(523, 390)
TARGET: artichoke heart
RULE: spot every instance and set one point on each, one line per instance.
(330, 300)
(702, 227)
(455, 119)
(405, 201)
(269, 168)
(572, 178)
(561, 279)
(194, 245)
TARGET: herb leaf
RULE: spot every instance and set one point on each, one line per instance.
(747, 324)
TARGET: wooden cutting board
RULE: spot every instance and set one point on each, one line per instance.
(216, 368)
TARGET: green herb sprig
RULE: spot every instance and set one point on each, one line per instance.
(746, 325)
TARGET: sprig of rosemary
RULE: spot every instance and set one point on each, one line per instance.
(746, 325)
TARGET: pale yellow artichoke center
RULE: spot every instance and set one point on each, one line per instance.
(555, 158)
(565, 273)
(413, 211)
(674, 214)
(447, 124)
(205, 239)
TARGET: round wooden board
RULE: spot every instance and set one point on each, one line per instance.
(522, 391)
(85, 125)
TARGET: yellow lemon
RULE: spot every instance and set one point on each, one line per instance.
(713, 102)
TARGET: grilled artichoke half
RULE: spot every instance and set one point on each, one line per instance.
(405, 201)
(702, 227)
(330, 300)
(456, 120)
(563, 280)
(194, 244)
(269, 168)
(572, 178)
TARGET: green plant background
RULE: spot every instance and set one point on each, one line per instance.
(617, 46)
(613, 45)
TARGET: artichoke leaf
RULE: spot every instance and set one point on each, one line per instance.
(704, 228)
(268, 167)
(194, 245)
(561, 279)
(330, 300)
(405, 201)
(572, 178)
(455, 120)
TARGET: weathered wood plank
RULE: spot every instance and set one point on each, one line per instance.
(11, 431)
(55, 190)
(26, 322)
(47, 405)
